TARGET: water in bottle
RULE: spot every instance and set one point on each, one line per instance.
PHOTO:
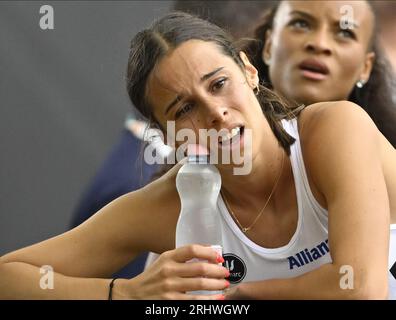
(198, 183)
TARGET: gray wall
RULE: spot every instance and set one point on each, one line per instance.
(63, 103)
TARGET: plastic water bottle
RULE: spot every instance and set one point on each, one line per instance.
(198, 183)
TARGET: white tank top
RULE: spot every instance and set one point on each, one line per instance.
(308, 248)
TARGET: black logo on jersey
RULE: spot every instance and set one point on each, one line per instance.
(236, 266)
(393, 270)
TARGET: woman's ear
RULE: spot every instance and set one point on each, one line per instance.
(250, 71)
(266, 53)
(368, 66)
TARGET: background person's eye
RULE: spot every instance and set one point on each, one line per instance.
(218, 84)
(184, 110)
(299, 23)
(345, 33)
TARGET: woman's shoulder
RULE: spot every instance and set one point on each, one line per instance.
(333, 134)
(335, 114)
(334, 121)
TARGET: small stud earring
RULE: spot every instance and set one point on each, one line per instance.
(360, 84)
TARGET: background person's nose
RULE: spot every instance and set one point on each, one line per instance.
(318, 42)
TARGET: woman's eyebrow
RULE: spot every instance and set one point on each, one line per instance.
(203, 78)
(302, 13)
(177, 99)
(210, 74)
(350, 23)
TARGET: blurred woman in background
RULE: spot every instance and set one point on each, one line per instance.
(313, 51)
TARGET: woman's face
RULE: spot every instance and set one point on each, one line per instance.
(196, 86)
(318, 50)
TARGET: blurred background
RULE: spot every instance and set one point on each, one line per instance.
(64, 102)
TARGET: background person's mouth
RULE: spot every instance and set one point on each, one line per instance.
(314, 69)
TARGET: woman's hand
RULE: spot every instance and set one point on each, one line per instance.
(170, 277)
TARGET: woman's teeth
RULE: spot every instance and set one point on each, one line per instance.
(230, 135)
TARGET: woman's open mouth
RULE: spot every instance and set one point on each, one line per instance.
(314, 69)
(233, 139)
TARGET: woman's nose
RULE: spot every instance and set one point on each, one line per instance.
(216, 115)
(318, 42)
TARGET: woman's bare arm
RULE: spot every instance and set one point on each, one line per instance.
(95, 249)
(19, 280)
(343, 158)
(82, 258)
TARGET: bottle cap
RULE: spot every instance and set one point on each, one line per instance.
(197, 150)
(197, 154)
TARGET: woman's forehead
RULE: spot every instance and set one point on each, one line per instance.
(335, 10)
(187, 65)
(190, 62)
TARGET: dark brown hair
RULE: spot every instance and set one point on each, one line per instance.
(149, 46)
(237, 17)
(377, 97)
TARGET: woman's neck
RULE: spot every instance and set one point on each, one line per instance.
(267, 165)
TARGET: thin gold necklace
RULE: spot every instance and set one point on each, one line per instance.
(246, 229)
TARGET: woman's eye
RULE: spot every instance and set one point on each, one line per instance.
(345, 33)
(183, 110)
(218, 84)
(299, 23)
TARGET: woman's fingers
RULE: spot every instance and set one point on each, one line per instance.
(171, 276)
(193, 269)
(174, 288)
(186, 253)
(184, 296)
(198, 284)
(193, 276)
(204, 297)
(201, 269)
